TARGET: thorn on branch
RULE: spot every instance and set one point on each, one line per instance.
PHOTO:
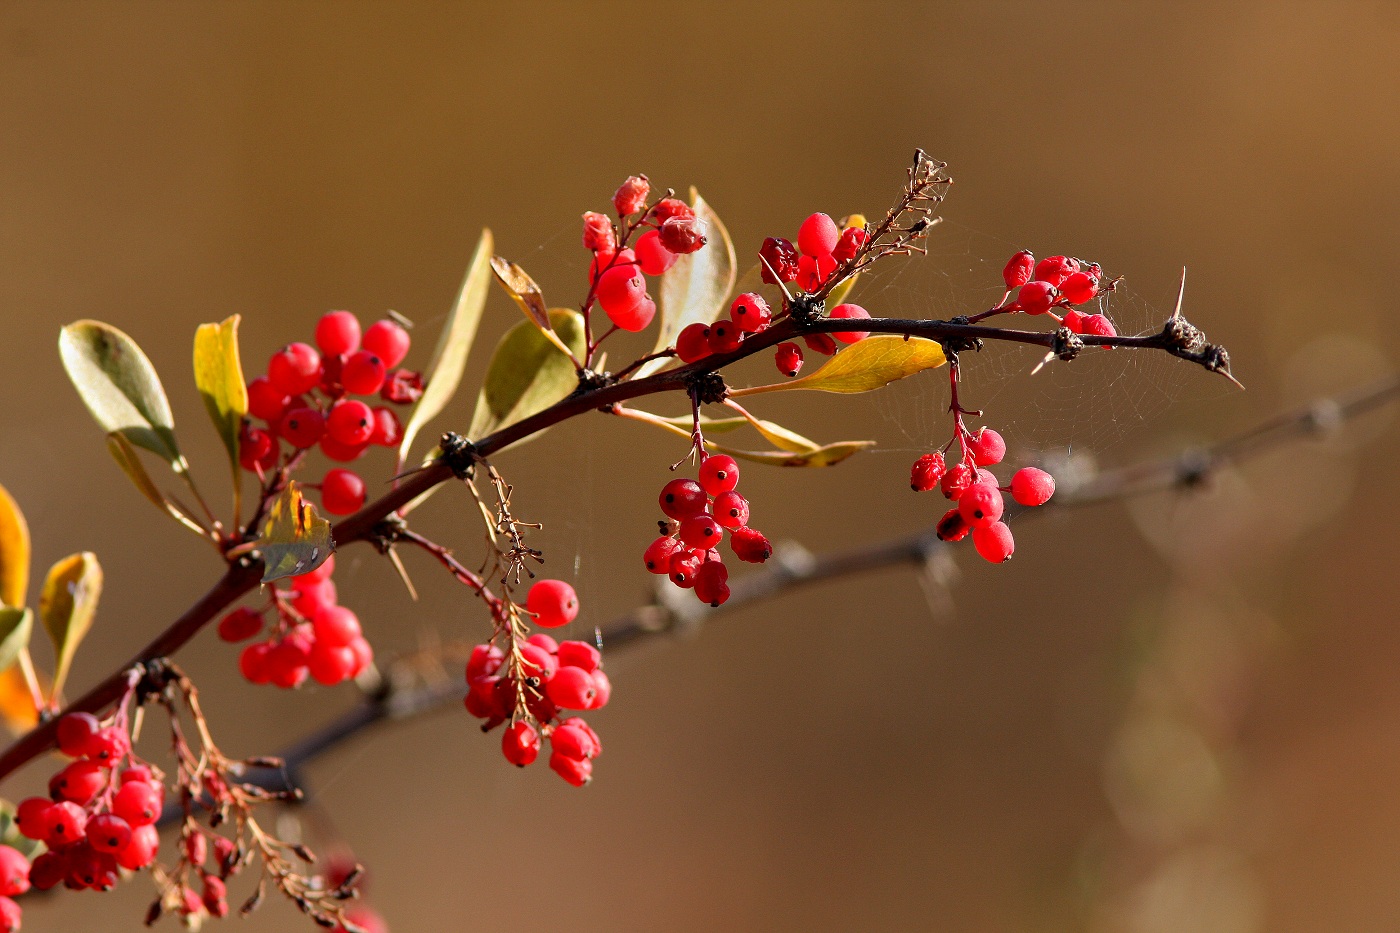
(1067, 344)
(459, 454)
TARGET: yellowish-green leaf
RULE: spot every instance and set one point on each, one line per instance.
(776, 434)
(14, 552)
(528, 373)
(454, 344)
(218, 375)
(828, 455)
(16, 627)
(295, 539)
(696, 288)
(523, 289)
(862, 367)
(842, 291)
(67, 606)
(17, 709)
(130, 462)
(120, 387)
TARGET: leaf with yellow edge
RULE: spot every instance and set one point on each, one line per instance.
(67, 606)
(119, 386)
(295, 539)
(16, 627)
(696, 288)
(522, 289)
(130, 462)
(829, 455)
(862, 367)
(776, 434)
(528, 373)
(14, 552)
(17, 709)
(444, 373)
(218, 375)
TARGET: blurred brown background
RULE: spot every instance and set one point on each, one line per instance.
(1178, 715)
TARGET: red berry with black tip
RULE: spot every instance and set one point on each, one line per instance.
(1036, 297)
(693, 343)
(719, 473)
(994, 542)
(520, 743)
(652, 256)
(363, 373)
(1018, 269)
(302, 427)
(750, 312)
(788, 358)
(701, 531)
(987, 447)
(927, 471)
(294, 369)
(750, 545)
(389, 341)
(730, 509)
(350, 422)
(658, 554)
(553, 603)
(682, 498)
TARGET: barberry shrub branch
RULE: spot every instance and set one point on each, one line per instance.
(337, 399)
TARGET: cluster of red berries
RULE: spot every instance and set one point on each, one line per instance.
(1057, 282)
(304, 400)
(822, 248)
(698, 513)
(313, 637)
(617, 277)
(978, 496)
(545, 677)
(99, 817)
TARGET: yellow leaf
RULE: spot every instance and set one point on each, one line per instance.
(16, 627)
(16, 702)
(67, 606)
(218, 375)
(295, 539)
(829, 455)
(14, 552)
(862, 367)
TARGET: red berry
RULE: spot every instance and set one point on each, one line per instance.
(350, 422)
(1074, 320)
(108, 833)
(952, 526)
(553, 603)
(750, 546)
(1099, 326)
(544, 641)
(32, 817)
(138, 803)
(603, 261)
(824, 344)
(1054, 270)
(14, 872)
(521, 743)
(788, 357)
(302, 427)
(330, 664)
(777, 261)
(342, 453)
(257, 450)
(652, 257)
(809, 277)
(956, 481)
(711, 583)
(388, 341)
(994, 542)
(49, 871)
(342, 492)
(731, 510)
(719, 473)
(598, 233)
(818, 235)
(571, 688)
(402, 386)
(215, 897)
(987, 447)
(65, 822)
(927, 471)
(981, 505)
(667, 208)
(1018, 269)
(701, 531)
(750, 312)
(852, 312)
(336, 625)
(631, 195)
(1030, 486)
(10, 916)
(338, 333)
(684, 566)
(109, 745)
(75, 733)
(572, 740)
(682, 235)
(311, 596)
(363, 372)
(603, 691)
(240, 625)
(658, 554)
(1079, 288)
(620, 290)
(579, 654)
(577, 771)
(286, 663)
(852, 241)
(79, 782)
(294, 369)
(265, 400)
(140, 852)
(253, 663)
(388, 432)
(693, 343)
(1036, 297)
(725, 337)
(682, 498)
(484, 661)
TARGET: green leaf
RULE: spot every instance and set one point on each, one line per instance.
(522, 289)
(696, 288)
(296, 539)
(14, 552)
(862, 367)
(120, 387)
(130, 462)
(67, 606)
(528, 373)
(16, 627)
(449, 361)
(829, 455)
(218, 375)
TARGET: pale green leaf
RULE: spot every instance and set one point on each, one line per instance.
(696, 288)
(120, 387)
(295, 539)
(873, 362)
(449, 360)
(528, 373)
(67, 606)
(16, 627)
(14, 552)
(218, 375)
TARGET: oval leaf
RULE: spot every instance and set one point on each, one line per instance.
(120, 387)
(829, 455)
(523, 289)
(67, 606)
(449, 361)
(130, 462)
(295, 539)
(16, 627)
(528, 373)
(696, 288)
(14, 552)
(218, 375)
(862, 367)
(17, 709)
